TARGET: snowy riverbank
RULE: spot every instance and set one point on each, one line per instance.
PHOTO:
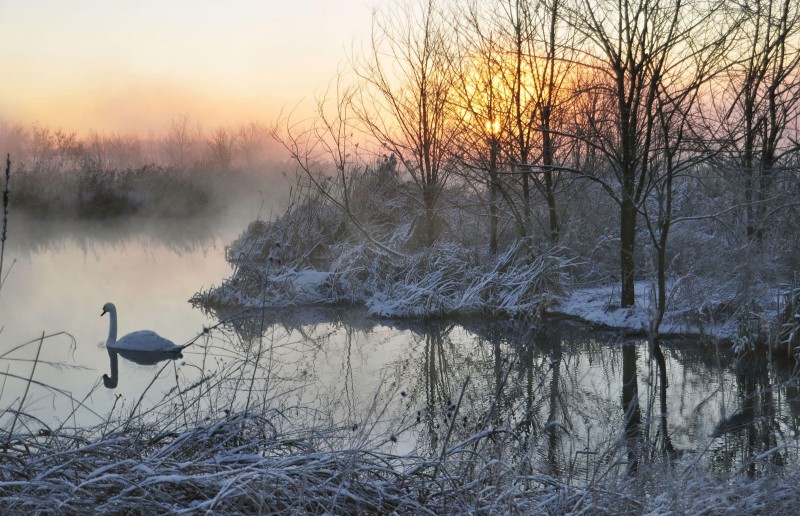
(526, 280)
(446, 279)
(233, 466)
(600, 305)
(314, 254)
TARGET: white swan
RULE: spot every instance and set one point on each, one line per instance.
(142, 340)
(143, 347)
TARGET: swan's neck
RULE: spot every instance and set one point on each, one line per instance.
(111, 381)
(112, 328)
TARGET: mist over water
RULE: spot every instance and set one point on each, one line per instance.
(60, 284)
(61, 270)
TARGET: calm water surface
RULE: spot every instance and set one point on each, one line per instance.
(60, 276)
(558, 386)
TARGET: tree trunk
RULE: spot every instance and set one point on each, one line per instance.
(429, 198)
(630, 405)
(493, 190)
(548, 153)
(526, 203)
(627, 246)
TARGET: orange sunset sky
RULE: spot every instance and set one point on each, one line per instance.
(130, 66)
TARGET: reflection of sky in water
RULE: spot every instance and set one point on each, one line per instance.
(61, 284)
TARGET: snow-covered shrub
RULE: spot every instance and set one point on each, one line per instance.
(275, 267)
(789, 317)
(378, 198)
(590, 229)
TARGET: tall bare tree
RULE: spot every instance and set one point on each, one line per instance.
(516, 61)
(632, 44)
(220, 147)
(763, 101)
(250, 140)
(179, 141)
(643, 52)
(537, 74)
(406, 102)
(479, 97)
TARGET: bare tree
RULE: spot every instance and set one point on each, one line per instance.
(405, 103)
(179, 141)
(329, 141)
(516, 59)
(479, 97)
(54, 150)
(117, 151)
(632, 44)
(649, 74)
(763, 101)
(220, 148)
(250, 140)
(677, 151)
(537, 74)
(679, 144)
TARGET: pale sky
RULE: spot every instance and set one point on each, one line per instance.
(130, 66)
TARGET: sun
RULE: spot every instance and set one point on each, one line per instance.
(497, 93)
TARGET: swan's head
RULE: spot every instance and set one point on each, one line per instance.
(110, 383)
(108, 307)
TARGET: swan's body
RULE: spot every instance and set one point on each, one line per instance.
(144, 346)
(143, 340)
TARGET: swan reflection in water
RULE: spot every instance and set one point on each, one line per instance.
(143, 347)
(137, 357)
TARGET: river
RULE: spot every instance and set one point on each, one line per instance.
(414, 385)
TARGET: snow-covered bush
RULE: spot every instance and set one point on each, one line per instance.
(315, 254)
(789, 317)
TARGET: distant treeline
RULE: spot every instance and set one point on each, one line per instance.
(183, 173)
(87, 193)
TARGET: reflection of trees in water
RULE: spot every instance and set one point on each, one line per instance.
(441, 369)
(630, 404)
(318, 355)
(529, 380)
(554, 427)
(554, 397)
(685, 379)
(179, 235)
(516, 386)
(754, 425)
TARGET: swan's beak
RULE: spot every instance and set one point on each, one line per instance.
(104, 313)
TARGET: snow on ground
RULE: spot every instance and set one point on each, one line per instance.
(307, 282)
(600, 305)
